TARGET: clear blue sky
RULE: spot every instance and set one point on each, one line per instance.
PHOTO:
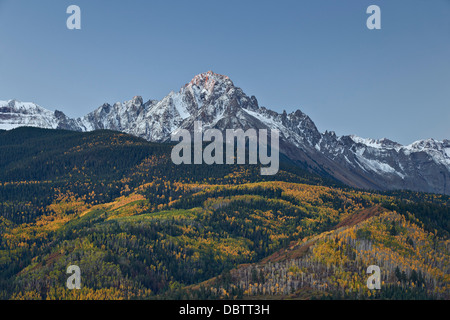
(317, 56)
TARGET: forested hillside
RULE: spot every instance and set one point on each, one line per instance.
(140, 227)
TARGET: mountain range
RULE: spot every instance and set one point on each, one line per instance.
(214, 99)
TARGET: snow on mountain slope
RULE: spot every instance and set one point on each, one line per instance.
(421, 166)
(215, 100)
(15, 114)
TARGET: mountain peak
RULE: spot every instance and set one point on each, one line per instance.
(209, 80)
(137, 101)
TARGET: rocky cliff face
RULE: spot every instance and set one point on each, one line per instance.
(218, 103)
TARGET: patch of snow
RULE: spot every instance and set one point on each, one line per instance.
(368, 142)
(379, 167)
(269, 122)
(447, 152)
(180, 106)
(9, 126)
(346, 159)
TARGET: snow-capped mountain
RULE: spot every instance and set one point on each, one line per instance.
(14, 114)
(218, 103)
